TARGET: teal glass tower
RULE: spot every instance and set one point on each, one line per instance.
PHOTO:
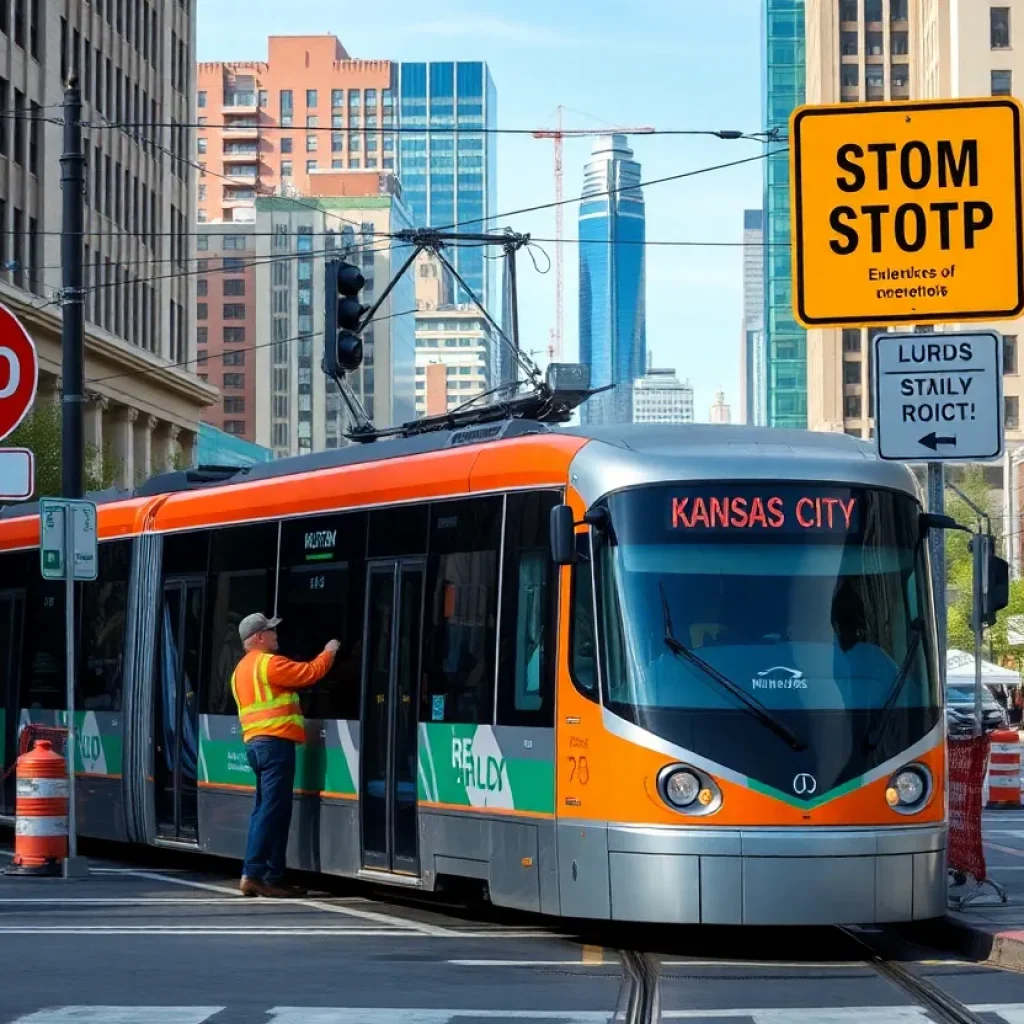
(783, 84)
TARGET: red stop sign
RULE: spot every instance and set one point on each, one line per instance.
(19, 371)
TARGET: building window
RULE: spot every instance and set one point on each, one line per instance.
(234, 405)
(848, 44)
(201, 100)
(235, 358)
(286, 144)
(202, 193)
(851, 339)
(337, 97)
(202, 334)
(851, 407)
(202, 286)
(201, 310)
(234, 311)
(337, 142)
(1011, 412)
(872, 10)
(234, 380)
(1002, 83)
(234, 335)
(311, 98)
(234, 286)
(202, 243)
(311, 121)
(286, 168)
(851, 373)
(848, 10)
(898, 10)
(310, 166)
(999, 27)
(311, 144)
(1010, 353)
(201, 145)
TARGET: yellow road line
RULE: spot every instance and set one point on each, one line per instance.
(593, 955)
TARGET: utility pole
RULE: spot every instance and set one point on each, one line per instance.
(72, 485)
(72, 183)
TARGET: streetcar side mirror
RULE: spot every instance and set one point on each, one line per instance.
(563, 535)
(929, 521)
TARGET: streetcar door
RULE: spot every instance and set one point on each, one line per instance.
(390, 702)
(11, 610)
(176, 710)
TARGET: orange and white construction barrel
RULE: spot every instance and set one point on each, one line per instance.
(41, 812)
(1004, 769)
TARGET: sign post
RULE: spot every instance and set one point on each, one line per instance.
(68, 551)
(907, 213)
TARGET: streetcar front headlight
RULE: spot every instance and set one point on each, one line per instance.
(908, 789)
(689, 790)
(682, 788)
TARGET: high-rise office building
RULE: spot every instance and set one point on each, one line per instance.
(857, 50)
(784, 339)
(752, 362)
(659, 396)
(454, 335)
(298, 409)
(720, 411)
(613, 330)
(268, 135)
(144, 399)
(965, 49)
(449, 178)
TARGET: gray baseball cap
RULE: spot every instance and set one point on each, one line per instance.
(256, 623)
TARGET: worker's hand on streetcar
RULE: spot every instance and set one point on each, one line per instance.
(332, 646)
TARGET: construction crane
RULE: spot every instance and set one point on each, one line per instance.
(557, 134)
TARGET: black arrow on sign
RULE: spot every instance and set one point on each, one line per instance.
(933, 442)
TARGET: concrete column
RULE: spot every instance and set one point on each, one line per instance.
(144, 428)
(188, 448)
(124, 445)
(94, 429)
(164, 441)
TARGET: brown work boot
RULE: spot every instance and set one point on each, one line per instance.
(252, 887)
(281, 891)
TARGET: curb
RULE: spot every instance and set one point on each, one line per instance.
(1002, 948)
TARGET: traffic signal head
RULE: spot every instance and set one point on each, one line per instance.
(997, 591)
(343, 347)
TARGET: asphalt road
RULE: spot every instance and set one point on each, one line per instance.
(152, 945)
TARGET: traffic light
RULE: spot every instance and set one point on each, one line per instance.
(343, 347)
(995, 577)
(997, 590)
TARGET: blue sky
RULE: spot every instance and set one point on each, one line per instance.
(681, 64)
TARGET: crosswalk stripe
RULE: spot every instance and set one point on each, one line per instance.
(1007, 1013)
(122, 1015)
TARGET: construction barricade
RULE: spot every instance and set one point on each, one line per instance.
(1004, 769)
(41, 822)
(968, 760)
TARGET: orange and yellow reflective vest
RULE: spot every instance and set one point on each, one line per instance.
(264, 688)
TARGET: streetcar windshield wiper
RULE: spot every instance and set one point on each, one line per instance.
(750, 704)
(875, 734)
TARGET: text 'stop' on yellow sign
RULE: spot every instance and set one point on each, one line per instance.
(907, 212)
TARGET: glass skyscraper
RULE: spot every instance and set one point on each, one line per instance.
(613, 327)
(782, 90)
(448, 178)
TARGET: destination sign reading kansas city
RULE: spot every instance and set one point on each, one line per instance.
(907, 212)
(793, 513)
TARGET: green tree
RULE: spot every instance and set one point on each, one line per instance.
(40, 432)
(959, 574)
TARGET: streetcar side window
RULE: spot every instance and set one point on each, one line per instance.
(529, 614)
(583, 663)
(103, 605)
(460, 615)
(319, 598)
(243, 564)
(14, 570)
(43, 664)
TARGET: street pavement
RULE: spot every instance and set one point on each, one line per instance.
(146, 943)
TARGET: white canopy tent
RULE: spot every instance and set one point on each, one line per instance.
(960, 671)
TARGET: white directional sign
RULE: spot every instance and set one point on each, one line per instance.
(53, 545)
(939, 397)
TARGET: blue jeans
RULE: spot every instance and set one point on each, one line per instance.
(273, 762)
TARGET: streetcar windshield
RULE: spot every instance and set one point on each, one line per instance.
(803, 598)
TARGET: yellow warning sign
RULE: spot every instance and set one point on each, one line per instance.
(907, 212)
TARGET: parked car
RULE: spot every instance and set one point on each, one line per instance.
(960, 711)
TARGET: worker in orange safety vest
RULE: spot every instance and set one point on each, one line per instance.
(265, 685)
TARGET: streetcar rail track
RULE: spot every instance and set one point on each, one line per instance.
(942, 1006)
